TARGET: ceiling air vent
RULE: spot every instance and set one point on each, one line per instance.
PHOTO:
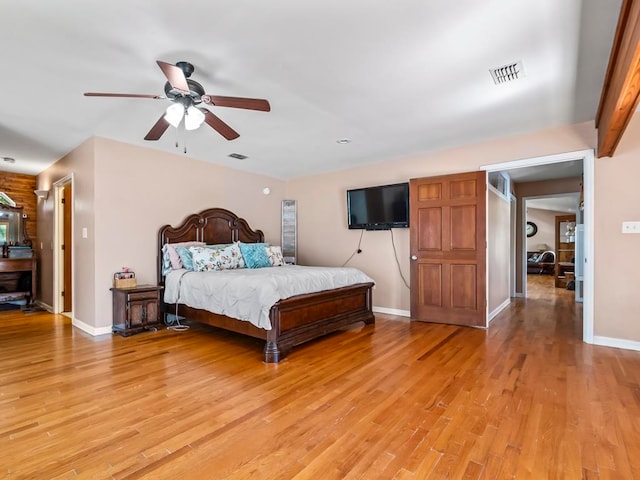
(238, 156)
(507, 73)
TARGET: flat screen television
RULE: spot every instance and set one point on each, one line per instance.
(378, 208)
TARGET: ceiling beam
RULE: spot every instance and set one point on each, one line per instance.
(621, 89)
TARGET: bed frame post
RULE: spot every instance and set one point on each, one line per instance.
(369, 319)
(271, 349)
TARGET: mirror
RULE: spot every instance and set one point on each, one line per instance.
(12, 226)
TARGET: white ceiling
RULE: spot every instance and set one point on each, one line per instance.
(397, 78)
(558, 203)
(572, 168)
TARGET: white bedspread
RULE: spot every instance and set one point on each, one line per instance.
(248, 294)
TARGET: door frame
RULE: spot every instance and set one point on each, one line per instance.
(588, 169)
(513, 228)
(58, 226)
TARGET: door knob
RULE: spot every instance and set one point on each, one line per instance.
(414, 257)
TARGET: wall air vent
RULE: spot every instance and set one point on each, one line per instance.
(238, 156)
(507, 73)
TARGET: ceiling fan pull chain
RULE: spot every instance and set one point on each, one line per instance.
(184, 137)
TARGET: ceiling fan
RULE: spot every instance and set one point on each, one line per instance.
(186, 97)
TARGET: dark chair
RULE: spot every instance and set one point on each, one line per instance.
(541, 262)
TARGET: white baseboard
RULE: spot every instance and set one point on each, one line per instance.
(500, 308)
(519, 295)
(392, 311)
(89, 329)
(616, 343)
(44, 306)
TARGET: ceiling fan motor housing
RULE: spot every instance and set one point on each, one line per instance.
(186, 67)
(196, 91)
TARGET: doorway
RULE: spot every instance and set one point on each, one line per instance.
(63, 246)
(542, 213)
(587, 158)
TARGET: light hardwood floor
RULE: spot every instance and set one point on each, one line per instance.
(525, 399)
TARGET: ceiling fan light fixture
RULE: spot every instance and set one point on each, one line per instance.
(193, 118)
(174, 114)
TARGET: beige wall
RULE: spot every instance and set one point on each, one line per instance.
(545, 220)
(324, 239)
(138, 190)
(498, 247)
(80, 163)
(123, 194)
(617, 199)
(323, 235)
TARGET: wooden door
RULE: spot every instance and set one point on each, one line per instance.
(448, 249)
(66, 201)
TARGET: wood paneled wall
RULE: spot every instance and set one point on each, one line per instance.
(20, 188)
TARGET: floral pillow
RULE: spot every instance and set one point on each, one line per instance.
(275, 256)
(186, 255)
(255, 255)
(207, 259)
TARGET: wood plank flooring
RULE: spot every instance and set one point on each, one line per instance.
(525, 399)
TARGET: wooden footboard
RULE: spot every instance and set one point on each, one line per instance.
(304, 317)
(297, 319)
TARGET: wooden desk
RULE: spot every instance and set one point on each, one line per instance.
(16, 265)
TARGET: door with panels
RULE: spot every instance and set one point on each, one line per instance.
(448, 249)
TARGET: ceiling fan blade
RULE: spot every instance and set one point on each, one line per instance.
(219, 126)
(237, 102)
(127, 95)
(158, 129)
(175, 75)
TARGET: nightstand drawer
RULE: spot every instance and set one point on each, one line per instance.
(149, 295)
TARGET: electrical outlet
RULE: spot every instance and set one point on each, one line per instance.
(630, 227)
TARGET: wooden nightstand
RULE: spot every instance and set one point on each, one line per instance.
(136, 309)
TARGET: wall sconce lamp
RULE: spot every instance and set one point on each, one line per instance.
(43, 194)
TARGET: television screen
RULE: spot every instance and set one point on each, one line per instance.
(378, 208)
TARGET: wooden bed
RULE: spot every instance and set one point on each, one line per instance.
(294, 320)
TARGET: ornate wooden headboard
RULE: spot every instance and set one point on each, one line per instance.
(212, 226)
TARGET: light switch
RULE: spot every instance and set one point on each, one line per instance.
(85, 233)
(630, 227)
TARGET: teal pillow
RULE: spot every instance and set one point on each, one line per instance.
(255, 255)
(186, 257)
(166, 262)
